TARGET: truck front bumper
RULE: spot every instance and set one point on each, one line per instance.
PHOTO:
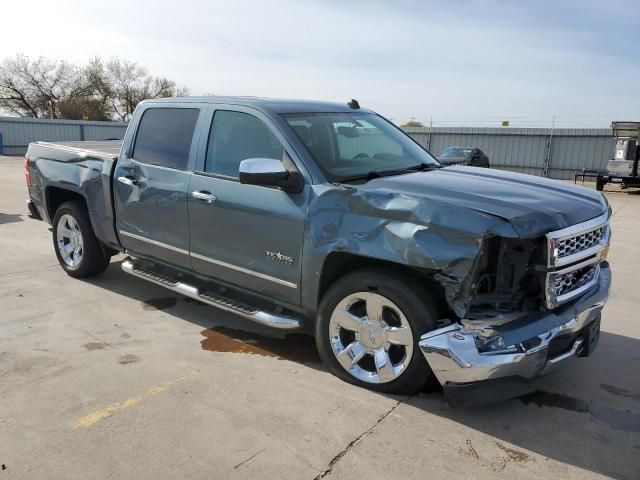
(520, 349)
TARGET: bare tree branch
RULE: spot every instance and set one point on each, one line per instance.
(58, 89)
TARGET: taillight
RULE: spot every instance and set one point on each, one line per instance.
(27, 172)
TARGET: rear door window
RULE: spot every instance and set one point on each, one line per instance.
(164, 136)
(236, 136)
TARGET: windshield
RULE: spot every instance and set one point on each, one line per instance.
(456, 152)
(351, 144)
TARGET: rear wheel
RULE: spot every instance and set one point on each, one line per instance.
(75, 244)
(368, 329)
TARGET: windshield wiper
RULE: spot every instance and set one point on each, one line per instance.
(366, 177)
(421, 167)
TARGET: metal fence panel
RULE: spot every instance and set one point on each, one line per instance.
(526, 150)
(19, 132)
(522, 150)
(571, 153)
(104, 132)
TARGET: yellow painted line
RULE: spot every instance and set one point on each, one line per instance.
(112, 408)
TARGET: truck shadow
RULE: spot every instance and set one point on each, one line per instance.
(222, 331)
(586, 414)
(10, 218)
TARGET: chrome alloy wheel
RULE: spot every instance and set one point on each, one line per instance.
(69, 241)
(370, 337)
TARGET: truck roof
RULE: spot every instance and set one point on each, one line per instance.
(278, 105)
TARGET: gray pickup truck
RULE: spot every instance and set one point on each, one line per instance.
(326, 217)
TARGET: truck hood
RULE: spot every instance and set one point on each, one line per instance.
(532, 205)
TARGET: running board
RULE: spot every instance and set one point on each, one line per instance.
(274, 320)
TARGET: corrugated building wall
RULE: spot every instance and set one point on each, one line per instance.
(17, 133)
(558, 152)
(554, 153)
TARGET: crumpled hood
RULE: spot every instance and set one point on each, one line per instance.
(532, 205)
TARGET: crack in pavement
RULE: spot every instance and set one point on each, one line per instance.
(354, 442)
(27, 270)
(249, 459)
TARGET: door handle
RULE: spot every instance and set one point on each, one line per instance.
(128, 181)
(204, 196)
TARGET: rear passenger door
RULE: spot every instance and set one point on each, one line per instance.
(247, 235)
(151, 183)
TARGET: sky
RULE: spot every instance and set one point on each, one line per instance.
(456, 62)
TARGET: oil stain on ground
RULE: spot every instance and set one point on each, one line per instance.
(469, 450)
(620, 392)
(295, 347)
(161, 303)
(513, 454)
(96, 345)
(614, 418)
(128, 358)
(549, 399)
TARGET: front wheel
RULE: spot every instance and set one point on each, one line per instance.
(75, 244)
(368, 329)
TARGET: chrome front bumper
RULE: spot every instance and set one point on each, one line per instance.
(524, 353)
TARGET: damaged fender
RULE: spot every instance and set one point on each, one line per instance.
(444, 240)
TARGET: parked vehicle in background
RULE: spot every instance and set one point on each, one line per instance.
(327, 217)
(463, 156)
(623, 168)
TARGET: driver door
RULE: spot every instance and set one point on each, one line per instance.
(246, 235)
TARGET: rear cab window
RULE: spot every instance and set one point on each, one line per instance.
(165, 135)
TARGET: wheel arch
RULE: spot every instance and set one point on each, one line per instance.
(338, 264)
(55, 196)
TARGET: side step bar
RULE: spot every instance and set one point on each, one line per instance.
(274, 320)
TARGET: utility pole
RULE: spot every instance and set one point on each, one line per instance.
(547, 159)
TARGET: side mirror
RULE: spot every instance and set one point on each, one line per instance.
(269, 172)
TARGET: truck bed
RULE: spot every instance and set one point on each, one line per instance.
(102, 148)
(83, 168)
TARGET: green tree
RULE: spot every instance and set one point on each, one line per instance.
(413, 123)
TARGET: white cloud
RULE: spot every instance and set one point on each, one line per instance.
(475, 61)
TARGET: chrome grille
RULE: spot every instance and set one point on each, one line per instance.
(564, 283)
(573, 259)
(580, 242)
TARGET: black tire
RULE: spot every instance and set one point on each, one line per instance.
(599, 185)
(93, 260)
(416, 302)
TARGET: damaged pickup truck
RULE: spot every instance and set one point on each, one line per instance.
(328, 218)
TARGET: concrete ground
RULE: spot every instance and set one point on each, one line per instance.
(118, 378)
